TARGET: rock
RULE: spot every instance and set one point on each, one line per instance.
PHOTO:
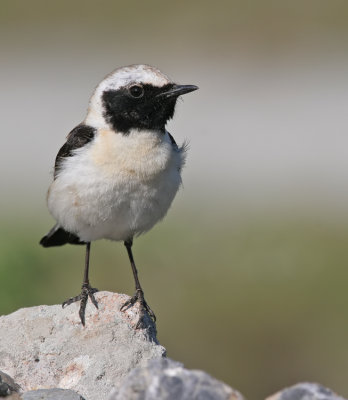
(46, 347)
(51, 394)
(306, 391)
(7, 385)
(164, 379)
(14, 396)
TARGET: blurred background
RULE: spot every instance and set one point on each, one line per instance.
(248, 273)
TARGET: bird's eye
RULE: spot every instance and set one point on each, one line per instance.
(136, 91)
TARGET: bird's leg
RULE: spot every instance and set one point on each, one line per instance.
(87, 290)
(139, 294)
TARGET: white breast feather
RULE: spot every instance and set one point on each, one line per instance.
(117, 186)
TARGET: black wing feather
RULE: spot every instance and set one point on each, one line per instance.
(57, 236)
(78, 137)
(173, 141)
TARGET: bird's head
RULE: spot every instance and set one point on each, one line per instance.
(135, 97)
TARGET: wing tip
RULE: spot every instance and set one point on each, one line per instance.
(57, 236)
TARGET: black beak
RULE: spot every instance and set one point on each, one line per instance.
(177, 90)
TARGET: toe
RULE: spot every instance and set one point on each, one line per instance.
(71, 300)
(93, 300)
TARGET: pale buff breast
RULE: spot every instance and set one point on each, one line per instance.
(116, 186)
(140, 154)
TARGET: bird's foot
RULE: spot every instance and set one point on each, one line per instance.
(87, 291)
(143, 308)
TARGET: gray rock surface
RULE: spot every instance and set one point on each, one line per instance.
(46, 347)
(164, 379)
(7, 385)
(13, 396)
(46, 354)
(306, 391)
(52, 394)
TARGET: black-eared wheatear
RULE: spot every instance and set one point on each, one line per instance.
(119, 170)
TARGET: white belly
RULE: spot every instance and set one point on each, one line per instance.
(117, 186)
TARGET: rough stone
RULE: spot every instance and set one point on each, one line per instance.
(51, 394)
(46, 347)
(164, 379)
(7, 385)
(13, 396)
(306, 391)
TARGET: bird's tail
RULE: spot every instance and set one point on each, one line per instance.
(57, 236)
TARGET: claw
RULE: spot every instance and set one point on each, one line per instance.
(143, 308)
(82, 310)
(150, 312)
(71, 300)
(129, 303)
(91, 296)
(87, 291)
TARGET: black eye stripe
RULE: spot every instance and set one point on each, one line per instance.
(124, 111)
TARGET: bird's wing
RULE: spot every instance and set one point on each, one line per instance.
(78, 137)
(173, 141)
(57, 236)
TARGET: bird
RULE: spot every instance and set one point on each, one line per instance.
(118, 172)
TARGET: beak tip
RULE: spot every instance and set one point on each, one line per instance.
(178, 90)
(189, 88)
(183, 89)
